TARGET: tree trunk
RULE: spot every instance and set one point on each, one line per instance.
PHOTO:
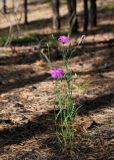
(25, 12)
(56, 16)
(86, 15)
(73, 16)
(4, 6)
(13, 5)
(93, 13)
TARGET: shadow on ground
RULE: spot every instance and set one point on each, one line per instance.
(102, 101)
(10, 79)
(21, 80)
(33, 54)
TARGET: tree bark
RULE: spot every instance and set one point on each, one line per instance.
(56, 16)
(72, 5)
(86, 15)
(25, 12)
(93, 13)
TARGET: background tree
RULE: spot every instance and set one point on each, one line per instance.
(56, 16)
(72, 5)
(25, 12)
(93, 13)
(4, 6)
(86, 15)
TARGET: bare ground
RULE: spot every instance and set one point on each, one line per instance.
(26, 101)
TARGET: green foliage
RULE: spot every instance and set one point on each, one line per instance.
(25, 40)
(62, 1)
(107, 7)
(19, 41)
(29, 39)
(3, 40)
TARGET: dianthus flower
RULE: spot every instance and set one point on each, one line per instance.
(56, 72)
(64, 39)
(83, 36)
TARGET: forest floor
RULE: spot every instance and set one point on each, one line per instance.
(27, 98)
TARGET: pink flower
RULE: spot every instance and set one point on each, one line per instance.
(83, 36)
(64, 39)
(56, 72)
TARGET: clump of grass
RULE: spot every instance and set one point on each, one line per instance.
(20, 41)
(3, 40)
(26, 40)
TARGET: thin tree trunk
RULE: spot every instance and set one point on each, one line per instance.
(25, 12)
(93, 13)
(4, 6)
(13, 5)
(72, 4)
(86, 15)
(56, 16)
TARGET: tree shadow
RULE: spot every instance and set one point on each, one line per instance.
(107, 43)
(33, 25)
(101, 29)
(27, 76)
(17, 59)
(33, 54)
(92, 48)
(21, 80)
(17, 134)
(100, 69)
(102, 101)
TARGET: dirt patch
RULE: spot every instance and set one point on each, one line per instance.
(27, 129)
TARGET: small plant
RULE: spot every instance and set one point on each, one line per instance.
(64, 109)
